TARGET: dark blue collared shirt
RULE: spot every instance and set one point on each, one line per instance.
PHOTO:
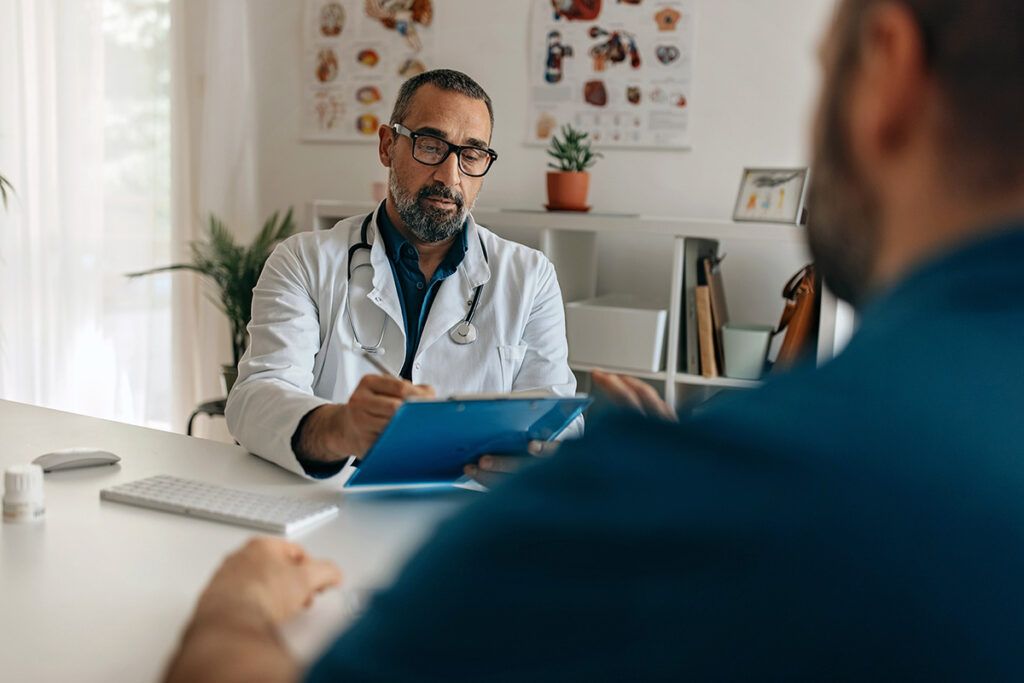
(414, 292)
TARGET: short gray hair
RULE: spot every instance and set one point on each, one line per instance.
(444, 79)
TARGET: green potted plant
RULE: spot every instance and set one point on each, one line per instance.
(234, 270)
(569, 182)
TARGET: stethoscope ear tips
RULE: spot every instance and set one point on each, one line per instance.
(464, 333)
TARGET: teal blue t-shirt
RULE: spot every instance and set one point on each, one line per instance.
(860, 521)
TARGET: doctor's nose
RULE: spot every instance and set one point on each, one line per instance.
(447, 172)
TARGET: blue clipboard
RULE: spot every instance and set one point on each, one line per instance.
(429, 442)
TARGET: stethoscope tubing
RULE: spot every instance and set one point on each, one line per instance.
(466, 324)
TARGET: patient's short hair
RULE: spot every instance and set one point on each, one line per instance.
(445, 79)
(975, 48)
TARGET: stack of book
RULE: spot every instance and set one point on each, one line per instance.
(704, 309)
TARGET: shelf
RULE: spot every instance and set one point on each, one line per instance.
(723, 382)
(642, 374)
(325, 213)
(680, 378)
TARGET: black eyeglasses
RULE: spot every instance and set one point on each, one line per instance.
(433, 151)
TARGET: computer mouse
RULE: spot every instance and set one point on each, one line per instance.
(73, 458)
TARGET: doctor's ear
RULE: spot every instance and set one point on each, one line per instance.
(386, 138)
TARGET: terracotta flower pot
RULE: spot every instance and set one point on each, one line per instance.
(567, 190)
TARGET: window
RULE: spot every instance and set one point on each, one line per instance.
(85, 140)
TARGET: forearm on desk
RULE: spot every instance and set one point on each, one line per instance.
(263, 414)
(319, 435)
(232, 643)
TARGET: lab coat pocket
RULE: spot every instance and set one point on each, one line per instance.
(511, 356)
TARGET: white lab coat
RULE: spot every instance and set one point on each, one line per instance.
(302, 353)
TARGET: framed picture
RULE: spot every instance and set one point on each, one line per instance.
(771, 195)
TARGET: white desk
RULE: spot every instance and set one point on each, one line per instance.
(100, 591)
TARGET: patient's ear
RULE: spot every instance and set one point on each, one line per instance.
(892, 83)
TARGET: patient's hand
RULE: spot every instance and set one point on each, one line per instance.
(233, 634)
(269, 578)
(629, 392)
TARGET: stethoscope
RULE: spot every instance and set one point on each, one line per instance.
(463, 333)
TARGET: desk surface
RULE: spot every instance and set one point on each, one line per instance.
(100, 591)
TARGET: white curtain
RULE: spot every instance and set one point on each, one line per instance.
(185, 303)
(227, 169)
(215, 170)
(85, 140)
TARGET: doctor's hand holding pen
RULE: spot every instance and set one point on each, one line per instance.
(335, 431)
(622, 390)
(371, 407)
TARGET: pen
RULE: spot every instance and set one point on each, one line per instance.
(379, 364)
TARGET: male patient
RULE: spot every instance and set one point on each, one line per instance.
(864, 520)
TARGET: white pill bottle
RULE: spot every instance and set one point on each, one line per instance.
(23, 494)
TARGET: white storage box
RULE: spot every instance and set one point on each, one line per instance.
(616, 331)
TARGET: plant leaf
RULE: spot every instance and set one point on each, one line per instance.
(5, 188)
(164, 269)
(233, 269)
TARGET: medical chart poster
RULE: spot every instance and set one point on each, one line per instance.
(357, 53)
(621, 70)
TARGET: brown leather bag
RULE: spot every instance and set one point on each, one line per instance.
(799, 318)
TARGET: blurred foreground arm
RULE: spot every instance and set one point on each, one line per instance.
(233, 633)
(629, 392)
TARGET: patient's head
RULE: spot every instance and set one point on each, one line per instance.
(918, 136)
(447, 106)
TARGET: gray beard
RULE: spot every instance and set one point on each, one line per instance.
(427, 224)
(844, 214)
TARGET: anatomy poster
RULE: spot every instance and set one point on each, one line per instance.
(620, 69)
(357, 54)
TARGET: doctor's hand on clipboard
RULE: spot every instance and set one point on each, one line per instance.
(335, 431)
(622, 390)
(372, 405)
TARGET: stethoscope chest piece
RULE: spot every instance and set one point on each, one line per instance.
(463, 333)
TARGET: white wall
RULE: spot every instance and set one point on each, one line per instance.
(755, 81)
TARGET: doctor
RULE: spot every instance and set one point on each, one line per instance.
(444, 304)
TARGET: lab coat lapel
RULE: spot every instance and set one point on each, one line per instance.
(456, 293)
(384, 293)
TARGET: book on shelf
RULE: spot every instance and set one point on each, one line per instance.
(706, 333)
(712, 270)
(694, 250)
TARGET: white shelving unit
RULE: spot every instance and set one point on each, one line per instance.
(570, 241)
